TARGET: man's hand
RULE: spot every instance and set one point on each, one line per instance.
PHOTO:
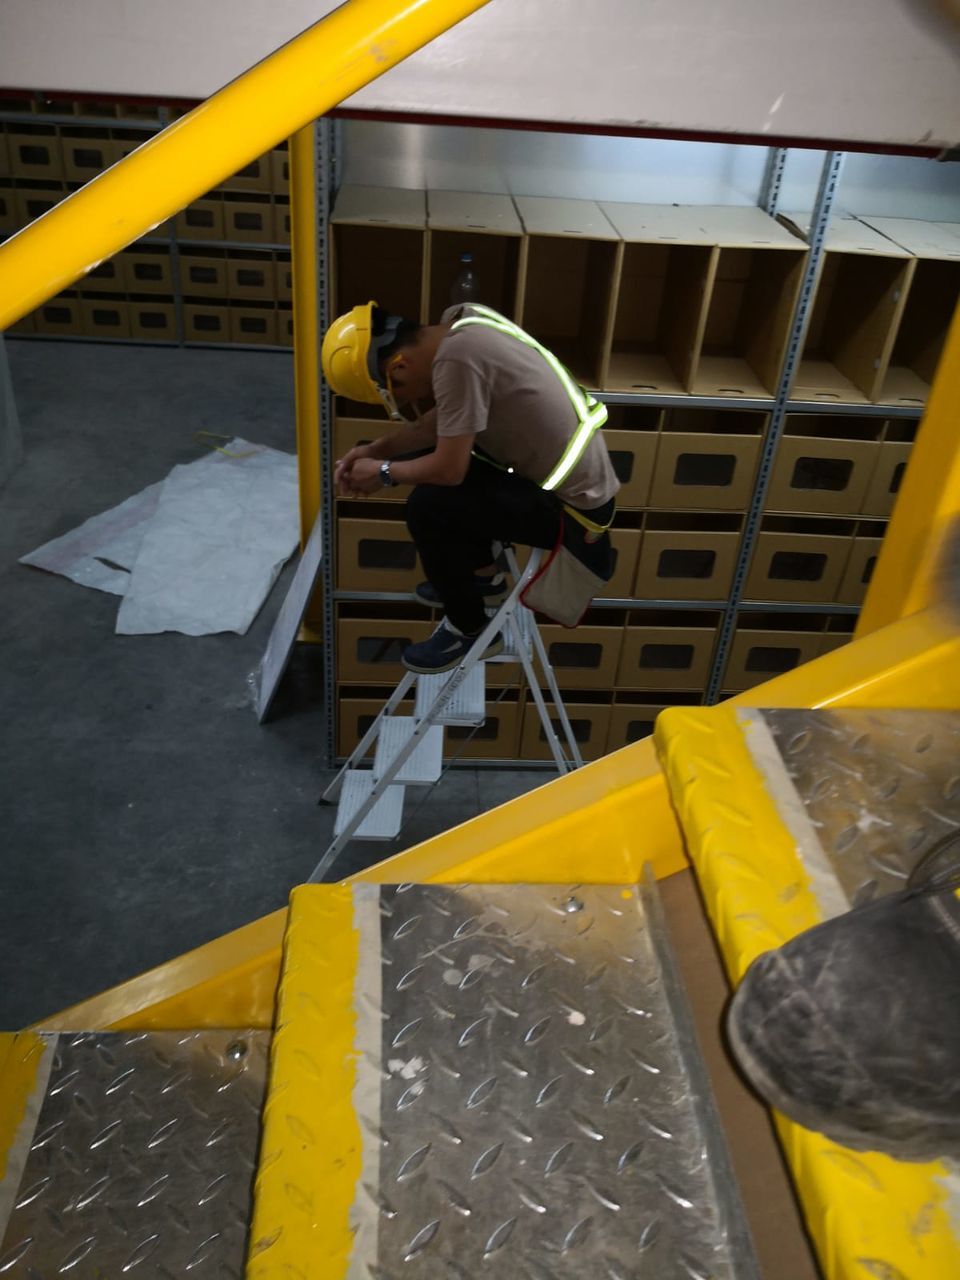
(343, 469)
(363, 478)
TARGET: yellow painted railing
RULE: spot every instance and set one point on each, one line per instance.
(305, 78)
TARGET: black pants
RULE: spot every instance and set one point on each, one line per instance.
(453, 527)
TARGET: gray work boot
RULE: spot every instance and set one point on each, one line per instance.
(853, 1027)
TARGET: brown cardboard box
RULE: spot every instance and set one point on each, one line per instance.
(285, 325)
(32, 204)
(891, 463)
(859, 571)
(349, 432)
(202, 220)
(251, 278)
(834, 640)
(686, 565)
(84, 158)
(666, 657)
(248, 220)
(283, 279)
(8, 213)
(369, 649)
(704, 471)
(280, 171)
(376, 555)
(35, 155)
(585, 657)
(206, 324)
(498, 738)
(256, 176)
(626, 550)
(105, 319)
(590, 724)
(818, 475)
(281, 222)
(378, 250)
(757, 656)
(59, 315)
(631, 722)
(253, 325)
(26, 324)
(145, 272)
(106, 277)
(633, 454)
(6, 168)
(797, 566)
(154, 320)
(203, 277)
(573, 255)
(486, 226)
(356, 712)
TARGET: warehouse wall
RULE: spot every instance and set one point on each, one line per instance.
(883, 71)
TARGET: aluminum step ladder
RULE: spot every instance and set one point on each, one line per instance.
(409, 749)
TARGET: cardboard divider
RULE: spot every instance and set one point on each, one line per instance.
(206, 323)
(667, 657)
(379, 250)
(626, 552)
(633, 715)
(376, 555)
(687, 556)
(589, 720)
(799, 559)
(485, 226)
(859, 298)
(202, 220)
(862, 562)
(572, 261)
(203, 275)
(707, 459)
(821, 474)
(156, 321)
(146, 270)
(631, 440)
(930, 303)
(253, 325)
(891, 463)
(585, 657)
(104, 318)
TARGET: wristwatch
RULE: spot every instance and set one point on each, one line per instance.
(385, 479)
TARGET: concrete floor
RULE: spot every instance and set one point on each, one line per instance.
(143, 811)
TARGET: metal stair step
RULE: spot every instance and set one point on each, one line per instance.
(468, 704)
(424, 764)
(384, 819)
(523, 622)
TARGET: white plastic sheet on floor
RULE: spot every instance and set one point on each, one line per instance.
(196, 553)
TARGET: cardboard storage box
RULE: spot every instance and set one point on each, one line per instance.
(485, 226)
(498, 738)
(378, 250)
(106, 277)
(759, 655)
(376, 555)
(797, 566)
(85, 157)
(146, 272)
(206, 324)
(248, 220)
(251, 278)
(626, 552)
(631, 722)
(35, 154)
(369, 649)
(931, 301)
(31, 204)
(8, 213)
(633, 454)
(203, 276)
(253, 325)
(686, 564)
(859, 298)
(105, 319)
(567, 293)
(891, 463)
(819, 475)
(356, 712)
(280, 171)
(704, 471)
(285, 325)
(6, 169)
(283, 279)
(584, 657)
(281, 222)
(155, 320)
(666, 657)
(859, 570)
(590, 724)
(349, 432)
(256, 176)
(202, 220)
(59, 315)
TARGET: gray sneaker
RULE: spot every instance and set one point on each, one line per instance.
(444, 650)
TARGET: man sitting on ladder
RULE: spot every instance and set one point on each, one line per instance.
(515, 454)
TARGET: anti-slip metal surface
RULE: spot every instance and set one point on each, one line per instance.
(140, 1160)
(541, 1112)
(879, 787)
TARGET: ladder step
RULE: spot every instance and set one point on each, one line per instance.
(384, 819)
(468, 704)
(424, 764)
(523, 622)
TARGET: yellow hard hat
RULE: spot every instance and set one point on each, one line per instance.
(350, 355)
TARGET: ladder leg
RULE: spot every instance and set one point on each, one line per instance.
(563, 764)
(556, 698)
(368, 739)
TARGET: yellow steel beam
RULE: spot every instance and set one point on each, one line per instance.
(908, 572)
(353, 45)
(306, 321)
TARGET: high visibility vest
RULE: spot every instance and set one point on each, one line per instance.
(591, 414)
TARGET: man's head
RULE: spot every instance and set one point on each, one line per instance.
(404, 365)
(375, 357)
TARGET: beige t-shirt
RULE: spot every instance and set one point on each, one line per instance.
(491, 384)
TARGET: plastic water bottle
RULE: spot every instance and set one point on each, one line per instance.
(466, 287)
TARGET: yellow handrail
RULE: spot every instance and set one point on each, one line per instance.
(305, 78)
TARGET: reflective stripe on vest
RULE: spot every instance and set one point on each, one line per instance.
(591, 414)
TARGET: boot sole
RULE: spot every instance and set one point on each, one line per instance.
(492, 649)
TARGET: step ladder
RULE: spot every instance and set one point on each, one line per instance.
(409, 749)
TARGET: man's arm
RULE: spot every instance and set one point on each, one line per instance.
(410, 438)
(446, 465)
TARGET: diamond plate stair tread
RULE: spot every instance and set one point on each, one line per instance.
(424, 764)
(384, 820)
(142, 1158)
(880, 787)
(530, 1113)
(468, 704)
